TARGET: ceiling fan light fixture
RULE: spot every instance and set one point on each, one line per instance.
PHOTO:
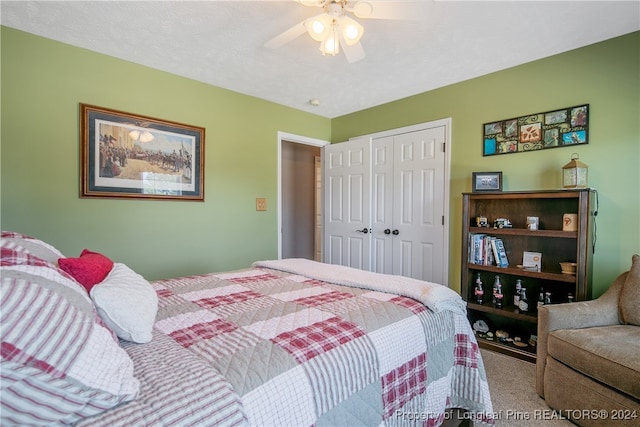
(334, 29)
(351, 30)
(319, 27)
(331, 45)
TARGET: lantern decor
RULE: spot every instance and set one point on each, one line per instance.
(574, 173)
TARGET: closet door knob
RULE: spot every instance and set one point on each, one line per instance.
(387, 231)
(364, 230)
(395, 232)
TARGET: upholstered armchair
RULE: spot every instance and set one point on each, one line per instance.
(588, 355)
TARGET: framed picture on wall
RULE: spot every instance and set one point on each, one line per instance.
(486, 181)
(551, 129)
(133, 156)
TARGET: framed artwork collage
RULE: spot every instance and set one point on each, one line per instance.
(550, 129)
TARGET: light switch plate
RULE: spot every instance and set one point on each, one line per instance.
(261, 204)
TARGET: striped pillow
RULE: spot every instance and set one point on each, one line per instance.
(34, 246)
(59, 362)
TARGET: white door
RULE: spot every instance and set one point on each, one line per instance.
(408, 204)
(382, 202)
(347, 203)
(418, 205)
(407, 197)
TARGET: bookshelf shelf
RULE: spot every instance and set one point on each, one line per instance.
(525, 232)
(550, 240)
(507, 311)
(543, 275)
(526, 353)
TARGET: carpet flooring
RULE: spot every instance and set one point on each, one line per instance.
(512, 383)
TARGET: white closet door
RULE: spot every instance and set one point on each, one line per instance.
(382, 205)
(347, 203)
(385, 203)
(418, 204)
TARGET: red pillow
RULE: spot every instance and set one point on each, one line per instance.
(89, 269)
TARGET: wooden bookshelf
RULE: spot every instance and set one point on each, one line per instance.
(555, 245)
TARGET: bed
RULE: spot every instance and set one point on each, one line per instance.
(284, 342)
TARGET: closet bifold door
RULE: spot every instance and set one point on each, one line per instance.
(384, 203)
(347, 203)
(408, 204)
(382, 237)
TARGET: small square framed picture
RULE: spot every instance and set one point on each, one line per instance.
(486, 181)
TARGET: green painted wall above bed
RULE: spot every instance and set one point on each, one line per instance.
(44, 81)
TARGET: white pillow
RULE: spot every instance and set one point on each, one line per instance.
(127, 304)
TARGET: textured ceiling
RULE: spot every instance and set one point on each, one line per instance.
(221, 43)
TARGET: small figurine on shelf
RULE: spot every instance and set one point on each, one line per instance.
(570, 298)
(497, 292)
(516, 294)
(523, 304)
(481, 221)
(502, 223)
(547, 297)
(502, 335)
(478, 290)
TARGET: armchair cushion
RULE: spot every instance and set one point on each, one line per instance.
(608, 354)
(630, 295)
(603, 311)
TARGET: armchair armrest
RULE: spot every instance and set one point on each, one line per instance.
(602, 311)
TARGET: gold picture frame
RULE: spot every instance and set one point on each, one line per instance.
(126, 155)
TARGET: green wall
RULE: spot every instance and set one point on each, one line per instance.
(605, 75)
(42, 84)
(44, 81)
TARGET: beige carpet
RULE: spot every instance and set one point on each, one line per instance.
(512, 383)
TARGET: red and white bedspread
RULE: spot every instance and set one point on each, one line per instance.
(288, 343)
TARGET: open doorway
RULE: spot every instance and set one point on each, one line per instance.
(299, 197)
(299, 200)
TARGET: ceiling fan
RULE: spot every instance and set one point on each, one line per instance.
(336, 30)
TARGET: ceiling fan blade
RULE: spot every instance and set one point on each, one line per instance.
(353, 53)
(402, 10)
(316, 3)
(285, 37)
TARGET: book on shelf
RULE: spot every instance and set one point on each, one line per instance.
(482, 251)
(500, 253)
(489, 258)
(476, 248)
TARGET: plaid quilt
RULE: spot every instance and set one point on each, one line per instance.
(266, 347)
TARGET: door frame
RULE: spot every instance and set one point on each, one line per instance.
(447, 173)
(298, 139)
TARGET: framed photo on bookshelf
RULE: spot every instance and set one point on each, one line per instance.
(486, 181)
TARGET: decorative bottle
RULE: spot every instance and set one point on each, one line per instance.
(523, 303)
(497, 292)
(541, 298)
(478, 290)
(516, 294)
